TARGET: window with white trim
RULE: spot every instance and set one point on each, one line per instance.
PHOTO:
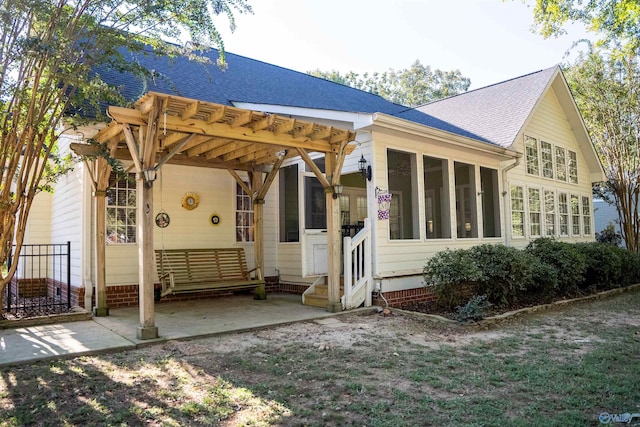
(121, 210)
(517, 211)
(573, 167)
(575, 215)
(546, 153)
(244, 216)
(586, 215)
(531, 151)
(550, 212)
(561, 164)
(563, 213)
(535, 212)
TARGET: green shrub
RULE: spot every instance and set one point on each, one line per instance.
(475, 309)
(630, 267)
(570, 264)
(507, 272)
(451, 274)
(604, 266)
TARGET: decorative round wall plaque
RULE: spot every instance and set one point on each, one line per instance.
(162, 219)
(190, 201)
(214, 219)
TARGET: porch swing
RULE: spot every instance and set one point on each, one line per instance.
(197, 270)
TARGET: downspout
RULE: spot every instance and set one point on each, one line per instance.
(505, 199)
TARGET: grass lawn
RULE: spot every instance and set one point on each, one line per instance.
(556, 368)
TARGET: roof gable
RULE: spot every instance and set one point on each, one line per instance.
(495, 113)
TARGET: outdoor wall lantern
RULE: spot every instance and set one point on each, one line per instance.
(365, 170)
(337, 190)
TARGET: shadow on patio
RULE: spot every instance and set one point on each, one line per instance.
(201, 318)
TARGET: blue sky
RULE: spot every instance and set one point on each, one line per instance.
(487, 40)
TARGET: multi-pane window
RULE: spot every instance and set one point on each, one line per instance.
(573, 167)
(586, 215)
(121, 210)
(550, 213)
(575, 215)
(546, 152)
(563, 214)
(531, 150)
(535, 213)
(244, 216)
(517, 211)
(561, 164)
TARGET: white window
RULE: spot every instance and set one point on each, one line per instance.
(563, 213)
(531, 149)
(121, 210)
(575, 215)
(535, 213)
(586, 215)
(561, 164)
(573, 167)
(517, 211)
(546, 152)
(550, 213)
(244, 216)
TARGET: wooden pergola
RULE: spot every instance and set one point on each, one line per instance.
(161, 129)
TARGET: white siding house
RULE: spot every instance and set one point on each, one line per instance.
(503, 164)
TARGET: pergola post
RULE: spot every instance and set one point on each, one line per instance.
(147, 329)
(100, 204)
(258, 233)
(333, 239)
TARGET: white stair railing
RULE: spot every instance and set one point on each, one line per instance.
(358, 282)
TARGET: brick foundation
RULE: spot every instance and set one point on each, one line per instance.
(399, 298)
(127, 295)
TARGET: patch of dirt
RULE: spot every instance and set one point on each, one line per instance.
(351, 369)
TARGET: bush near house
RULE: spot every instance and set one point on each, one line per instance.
(545, 270)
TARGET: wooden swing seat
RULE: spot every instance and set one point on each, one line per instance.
(196, 270)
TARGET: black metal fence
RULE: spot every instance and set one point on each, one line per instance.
(42, 283)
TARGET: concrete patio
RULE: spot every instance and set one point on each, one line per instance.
(176, 320)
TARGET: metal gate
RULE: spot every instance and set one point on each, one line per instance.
(42, 283)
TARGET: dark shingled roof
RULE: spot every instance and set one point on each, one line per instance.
(245, 80)
(493, 114)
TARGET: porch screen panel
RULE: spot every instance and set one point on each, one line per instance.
(436, 198)
(490, 202)
(402, 175)
(315, 212)
(288, 203)
(466, 213)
